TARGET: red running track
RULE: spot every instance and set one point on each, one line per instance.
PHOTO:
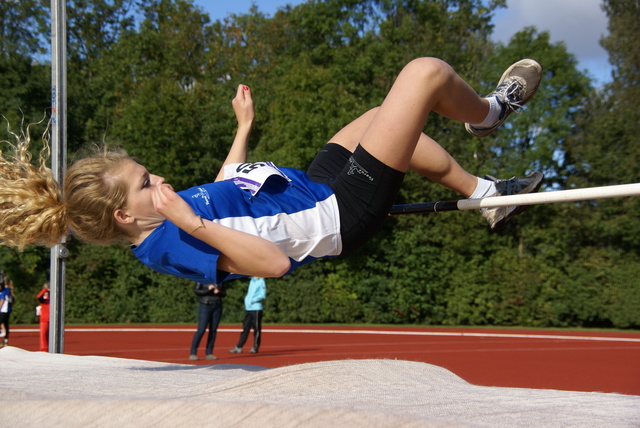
(592, 361)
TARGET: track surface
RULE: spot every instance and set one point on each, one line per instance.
(550, 359)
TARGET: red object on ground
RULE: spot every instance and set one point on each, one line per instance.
(45, 306)
(593, 361)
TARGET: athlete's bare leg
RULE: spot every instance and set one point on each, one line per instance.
(424, 85)
(401, 143)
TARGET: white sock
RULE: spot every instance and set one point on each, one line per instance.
(484, 189)
(495, 108)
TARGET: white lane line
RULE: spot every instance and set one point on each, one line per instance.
(372, 332)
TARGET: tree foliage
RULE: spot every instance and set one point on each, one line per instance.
(156, 77)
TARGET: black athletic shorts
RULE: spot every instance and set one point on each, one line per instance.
(365, 189)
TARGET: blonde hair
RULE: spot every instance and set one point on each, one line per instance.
(33, 209)
(93, 192)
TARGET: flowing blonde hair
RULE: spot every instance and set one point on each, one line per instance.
(93, 191)
(33, 209)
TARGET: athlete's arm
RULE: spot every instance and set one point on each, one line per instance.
(243, 108)
(243, 253)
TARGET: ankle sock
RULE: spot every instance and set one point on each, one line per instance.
(483, 189)
(495, 110)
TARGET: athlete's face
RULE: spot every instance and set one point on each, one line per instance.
(142, 186)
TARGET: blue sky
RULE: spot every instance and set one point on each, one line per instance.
(578, 23)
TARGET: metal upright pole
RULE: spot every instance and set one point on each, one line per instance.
(58, 163)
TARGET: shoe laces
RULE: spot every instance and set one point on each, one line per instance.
(510, 94)
(511, 186)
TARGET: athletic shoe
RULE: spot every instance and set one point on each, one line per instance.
(193, 357)
(253, 351)
(211, 357)
(236, 350)
(516, 87)
(498, 217)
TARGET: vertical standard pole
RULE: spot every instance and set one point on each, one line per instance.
(58, 163)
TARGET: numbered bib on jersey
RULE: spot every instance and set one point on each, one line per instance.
(252, 176)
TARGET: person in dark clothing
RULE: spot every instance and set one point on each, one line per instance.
(209, 314)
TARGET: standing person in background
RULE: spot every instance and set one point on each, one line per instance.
(209, 314)
(6, 303)
(3, 330)
(44, 299)
(253, 315)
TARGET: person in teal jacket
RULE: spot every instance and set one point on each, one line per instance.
(253, 315)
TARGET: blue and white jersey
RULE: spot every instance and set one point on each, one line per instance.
(281, 205)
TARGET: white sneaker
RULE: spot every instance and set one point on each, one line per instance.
(516, 87)
(499, 217)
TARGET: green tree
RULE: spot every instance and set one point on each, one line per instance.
(21, 26)
(605, 152)
(24, 81)
(94, 27)
(157, 78)
(164, 108)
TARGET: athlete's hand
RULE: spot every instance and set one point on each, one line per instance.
(243, 106)
(168, 203)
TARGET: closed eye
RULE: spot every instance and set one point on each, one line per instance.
(146, 182)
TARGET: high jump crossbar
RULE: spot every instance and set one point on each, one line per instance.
(571, 195)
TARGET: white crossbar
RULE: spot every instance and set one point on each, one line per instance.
(571, 195)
